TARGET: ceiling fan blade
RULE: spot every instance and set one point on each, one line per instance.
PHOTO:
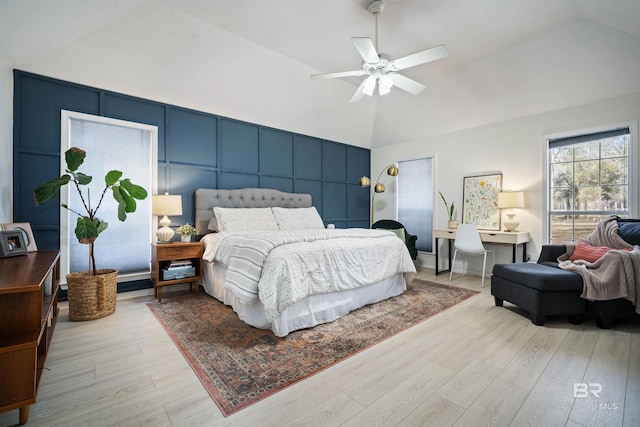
(359, 93)
(405, 83)
(366, 49)
(422, 57)
(340, 74)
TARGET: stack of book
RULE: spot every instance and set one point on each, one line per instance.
(178, 270)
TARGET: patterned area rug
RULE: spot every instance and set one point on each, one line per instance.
(240, 365)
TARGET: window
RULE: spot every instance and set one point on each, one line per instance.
(110, 144)
(588, 179)
(415, 199)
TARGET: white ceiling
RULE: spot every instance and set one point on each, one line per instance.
(507, 58)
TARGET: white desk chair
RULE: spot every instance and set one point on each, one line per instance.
(468, 242)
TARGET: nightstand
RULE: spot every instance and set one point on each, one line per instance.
(165, 255)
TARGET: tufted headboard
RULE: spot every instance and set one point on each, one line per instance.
(207, 199)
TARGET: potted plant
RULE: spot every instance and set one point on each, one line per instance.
(453, 224)
(186, 231)
(91, 294)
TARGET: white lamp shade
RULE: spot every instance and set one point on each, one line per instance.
(511, 199)
(167, 204)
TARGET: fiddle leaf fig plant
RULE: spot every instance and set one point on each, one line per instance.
(88, 225)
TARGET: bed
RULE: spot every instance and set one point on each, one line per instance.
(268, 255)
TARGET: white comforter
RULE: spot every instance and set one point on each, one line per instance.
(284, 267)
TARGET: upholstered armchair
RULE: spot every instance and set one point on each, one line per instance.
(409, 239)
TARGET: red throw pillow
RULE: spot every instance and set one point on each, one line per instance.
(590, 253)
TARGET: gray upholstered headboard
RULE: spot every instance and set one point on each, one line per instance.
(207, 199)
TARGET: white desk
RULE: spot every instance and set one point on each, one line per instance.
(488, 236)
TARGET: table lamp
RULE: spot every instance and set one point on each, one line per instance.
(165, 205)
(510, 200)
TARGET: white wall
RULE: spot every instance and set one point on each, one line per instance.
(514, 148)
(6, 140)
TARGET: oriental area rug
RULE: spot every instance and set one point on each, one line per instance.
(240, 365)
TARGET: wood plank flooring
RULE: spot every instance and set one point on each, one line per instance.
(474, 364)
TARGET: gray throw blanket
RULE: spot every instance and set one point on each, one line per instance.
(616, 274)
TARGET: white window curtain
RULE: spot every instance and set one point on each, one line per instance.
(415, 199)
(110, 144)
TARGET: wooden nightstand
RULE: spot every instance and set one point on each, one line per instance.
(162, 254)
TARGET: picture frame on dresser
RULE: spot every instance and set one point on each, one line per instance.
(25, 228)
(12, 243)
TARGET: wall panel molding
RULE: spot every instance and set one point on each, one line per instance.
(195, 149)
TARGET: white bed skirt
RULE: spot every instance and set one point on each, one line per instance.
(307, 313)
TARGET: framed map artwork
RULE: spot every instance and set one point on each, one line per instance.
(480, 201)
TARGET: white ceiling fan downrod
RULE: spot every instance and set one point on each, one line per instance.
(375, 8)
(378, 73)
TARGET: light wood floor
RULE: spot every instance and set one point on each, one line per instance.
(474, 364)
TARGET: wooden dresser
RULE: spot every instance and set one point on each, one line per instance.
(28, 315)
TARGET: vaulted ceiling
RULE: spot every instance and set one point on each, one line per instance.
(507, 58)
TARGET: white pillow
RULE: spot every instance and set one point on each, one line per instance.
(245, 219)
(297, 218)
(213, 223)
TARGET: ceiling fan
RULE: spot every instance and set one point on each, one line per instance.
(382, 70)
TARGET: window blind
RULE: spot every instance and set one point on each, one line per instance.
(415, 199)
(124, 246)
(576, 139)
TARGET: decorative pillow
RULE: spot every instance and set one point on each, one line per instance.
(245, 219)
(297, 218)
(399, 232)
(629, 231)
(590, 253)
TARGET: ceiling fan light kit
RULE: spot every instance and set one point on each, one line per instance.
(383, 71)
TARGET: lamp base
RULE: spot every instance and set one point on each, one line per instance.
(511, 225)
(165, 234)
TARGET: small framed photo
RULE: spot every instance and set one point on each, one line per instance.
(25, 228)
(12, 243)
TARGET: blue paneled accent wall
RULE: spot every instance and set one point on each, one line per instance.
(195, 149)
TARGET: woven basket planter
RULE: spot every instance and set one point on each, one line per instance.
(92, 297)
